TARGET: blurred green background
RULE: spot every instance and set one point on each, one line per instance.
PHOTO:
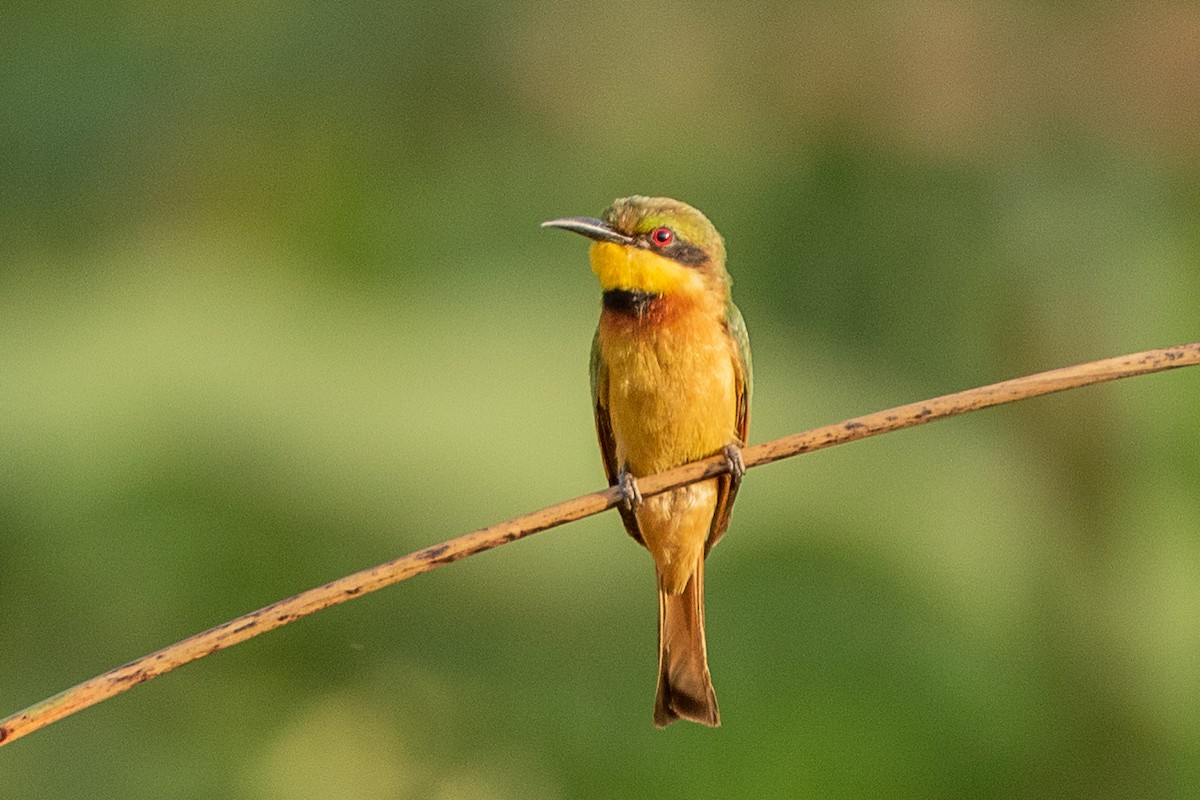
(274, 307)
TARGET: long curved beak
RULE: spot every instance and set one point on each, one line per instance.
(590, 227)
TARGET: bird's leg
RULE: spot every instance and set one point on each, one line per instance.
(631, 496)
(737, 467)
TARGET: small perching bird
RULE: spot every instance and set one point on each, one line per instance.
(671, 381)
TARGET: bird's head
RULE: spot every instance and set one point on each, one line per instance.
(653, 245)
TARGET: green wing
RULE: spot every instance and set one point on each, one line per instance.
(735, 326)
(608, 444)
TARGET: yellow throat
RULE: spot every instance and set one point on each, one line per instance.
(620, 266)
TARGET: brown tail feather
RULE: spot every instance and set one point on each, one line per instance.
(685, 688)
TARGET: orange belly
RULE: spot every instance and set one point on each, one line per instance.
(672, 398)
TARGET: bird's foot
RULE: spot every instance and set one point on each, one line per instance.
(737, 467)
(631, 496)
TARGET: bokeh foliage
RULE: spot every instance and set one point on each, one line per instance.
(274, 306)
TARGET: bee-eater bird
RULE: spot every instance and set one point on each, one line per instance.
(670, 384)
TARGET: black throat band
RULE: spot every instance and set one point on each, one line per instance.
(629, 301)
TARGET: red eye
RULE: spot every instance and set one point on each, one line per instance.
(662, 236)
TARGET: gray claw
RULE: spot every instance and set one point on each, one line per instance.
(631, 496)
(737, 467)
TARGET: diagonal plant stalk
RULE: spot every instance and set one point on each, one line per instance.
(247, 626)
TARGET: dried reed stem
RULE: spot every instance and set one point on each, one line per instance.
(301, 605)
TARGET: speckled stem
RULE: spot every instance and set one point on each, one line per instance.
(301, 605)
